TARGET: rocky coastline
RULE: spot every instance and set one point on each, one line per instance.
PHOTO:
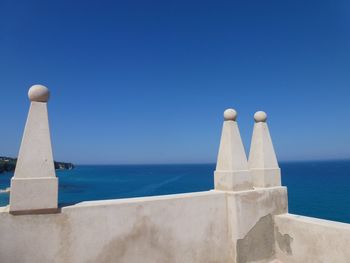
(8, 164)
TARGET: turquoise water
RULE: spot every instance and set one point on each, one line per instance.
(318, 189)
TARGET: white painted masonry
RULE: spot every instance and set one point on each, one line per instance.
(232, 172)
(309, 240)
(176, 228)
(34, 185)
(237, 222)
(262, 158)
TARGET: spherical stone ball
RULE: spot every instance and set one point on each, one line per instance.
(230, 115)
(260, 116)
(39, 93)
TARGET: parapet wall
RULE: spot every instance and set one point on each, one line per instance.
(245, 219)
(309, 240)
(177, 228)
(212, 226)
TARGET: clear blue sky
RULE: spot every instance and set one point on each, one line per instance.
(147, 81)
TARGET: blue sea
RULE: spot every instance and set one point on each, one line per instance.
(318, 188)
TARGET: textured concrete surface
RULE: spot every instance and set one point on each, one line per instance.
(33, 194)
(247, 212)
(262, 161)
(232, 172)
(232, 180)
(35, 155)
(34, 185)
(259, 243)
(246, 208)
(177, 228)
(250, 226)
(309, 240)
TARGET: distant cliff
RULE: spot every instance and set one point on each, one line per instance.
(8, 164)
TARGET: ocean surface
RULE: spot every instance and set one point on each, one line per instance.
(318, 189)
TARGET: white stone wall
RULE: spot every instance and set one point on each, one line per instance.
(309, 240)
(176, 228)
(212, 226)
(250, 221)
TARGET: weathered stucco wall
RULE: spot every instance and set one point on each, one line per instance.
(306, 239)
(177, 228)
(214, 226)
(250, 217)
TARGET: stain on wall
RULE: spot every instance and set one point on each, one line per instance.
(284, 241)
(259, 243)
(144, 241)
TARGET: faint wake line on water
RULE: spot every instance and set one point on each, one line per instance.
(153, 187)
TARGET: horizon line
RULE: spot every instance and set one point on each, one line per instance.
(207, 163)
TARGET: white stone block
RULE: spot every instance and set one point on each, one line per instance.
(232, 180)
(232, 172)
(34, 185)
(266, 177)
(262, 158)
(35, 155)
(33, 194)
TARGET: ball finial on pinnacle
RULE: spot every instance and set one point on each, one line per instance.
(260, 116)
(39, 93)
(230, 115)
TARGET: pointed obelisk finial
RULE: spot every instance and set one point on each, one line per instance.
(232, 172)
(262, 158)
(34, 186)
